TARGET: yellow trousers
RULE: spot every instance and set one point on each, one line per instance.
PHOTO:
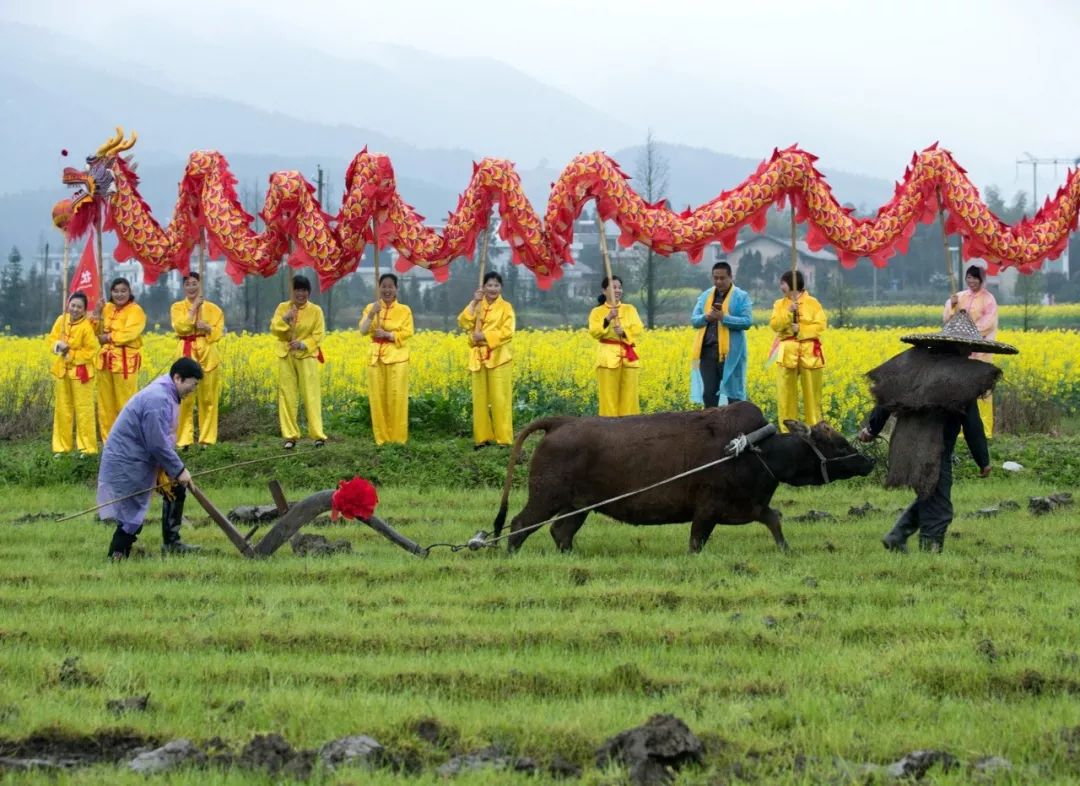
(388, 396)
(788, 381)
(492, 408)
(74, 408)
(299, 379)
(113, 392)
(206, 395)
(986, 412)
(618, 391)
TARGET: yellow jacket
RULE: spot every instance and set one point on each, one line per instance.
(309, 328)
(202, 347)
(496, 322)
(82, 344)
(805, 350)
(125, 327)
(396, 319)
(614, 355)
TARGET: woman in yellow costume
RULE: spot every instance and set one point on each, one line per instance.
(489, 321)
(120, 324)
(75, 345)
(982, 307)
(617, 327)
(390, 325)
(798, 321)
(199, 326)
(299, 327)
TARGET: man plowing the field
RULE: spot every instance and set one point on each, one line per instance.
(141, 447)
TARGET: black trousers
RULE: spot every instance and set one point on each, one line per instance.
(712, 371)
(929, 516)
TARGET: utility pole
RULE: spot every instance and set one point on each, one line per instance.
(1034, 162)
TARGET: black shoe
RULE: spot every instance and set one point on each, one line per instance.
(320, 442)
(895, 543)
(289, 444)
(120, 546)
(179, 547)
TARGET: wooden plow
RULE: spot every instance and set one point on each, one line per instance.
(290, 519)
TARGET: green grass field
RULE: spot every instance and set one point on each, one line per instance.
(784, 664)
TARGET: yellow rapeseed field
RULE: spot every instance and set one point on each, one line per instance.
(554, 369)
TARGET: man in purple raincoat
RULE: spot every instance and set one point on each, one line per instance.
(141, 442)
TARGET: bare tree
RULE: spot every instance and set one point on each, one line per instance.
(651, 181)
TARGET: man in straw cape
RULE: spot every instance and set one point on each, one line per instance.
(932, 390)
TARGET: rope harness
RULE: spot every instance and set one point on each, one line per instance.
(821, 458)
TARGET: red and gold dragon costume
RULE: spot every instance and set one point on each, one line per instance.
(372, 209)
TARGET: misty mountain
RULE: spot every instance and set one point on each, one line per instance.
(398, 93)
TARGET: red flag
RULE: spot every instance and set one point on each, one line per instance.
(85, 279)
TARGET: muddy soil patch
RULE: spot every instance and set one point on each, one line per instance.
(62, 749)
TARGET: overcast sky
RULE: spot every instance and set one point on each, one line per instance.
(862, 84)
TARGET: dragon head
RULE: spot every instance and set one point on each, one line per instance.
(92, 186)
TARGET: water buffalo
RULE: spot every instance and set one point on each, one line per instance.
(582, 461)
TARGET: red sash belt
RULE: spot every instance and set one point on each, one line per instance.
(381, 341)
(82, 374)
(628, 349)
(110, 356)
(189, 344)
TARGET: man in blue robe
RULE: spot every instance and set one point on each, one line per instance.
(142, 441)
(722, 315)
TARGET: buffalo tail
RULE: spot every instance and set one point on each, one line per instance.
(543, 424)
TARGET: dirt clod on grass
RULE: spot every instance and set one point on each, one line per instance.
(434, 733)
(271, 753)
(71, 673)
(318, 546)
(653, 752)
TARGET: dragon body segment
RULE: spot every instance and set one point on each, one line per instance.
(373, 211)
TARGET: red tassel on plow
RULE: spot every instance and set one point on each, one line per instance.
(354, 499)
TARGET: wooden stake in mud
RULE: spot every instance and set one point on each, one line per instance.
(945, 245)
